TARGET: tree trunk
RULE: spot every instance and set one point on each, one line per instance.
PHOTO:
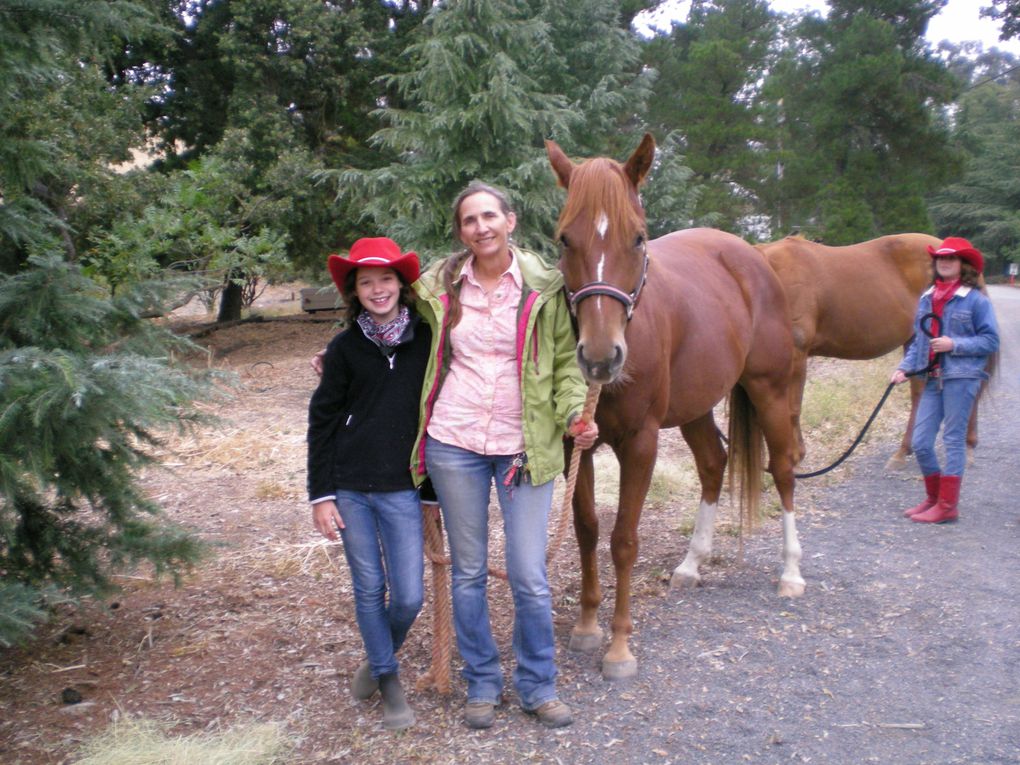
(230, 302)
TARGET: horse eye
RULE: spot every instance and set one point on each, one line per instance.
(639, 242)
(563, 242)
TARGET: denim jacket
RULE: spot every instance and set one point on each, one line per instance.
(968, 319)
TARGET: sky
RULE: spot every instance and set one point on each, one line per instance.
(959, 21)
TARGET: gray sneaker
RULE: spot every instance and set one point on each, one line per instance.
(363, 685)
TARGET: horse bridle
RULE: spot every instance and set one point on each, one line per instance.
(629, 299)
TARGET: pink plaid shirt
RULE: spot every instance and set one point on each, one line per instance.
(479, 405)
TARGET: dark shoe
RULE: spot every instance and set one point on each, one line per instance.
(479, 714)
(363, 685)
(931, 488)
(397, 714)
(553, 714)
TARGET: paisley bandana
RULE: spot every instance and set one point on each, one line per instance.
(385, 335)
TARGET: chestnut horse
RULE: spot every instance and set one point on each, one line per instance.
(670, 327)
(854, 302)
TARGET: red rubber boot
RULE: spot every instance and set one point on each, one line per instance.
(945, 511)
(931, 486)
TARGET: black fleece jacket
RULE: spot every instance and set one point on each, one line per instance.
(363, 417)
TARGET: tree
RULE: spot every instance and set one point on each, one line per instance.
(983, 202)
(51, 88)
(89, 380)
(708, 90)
(1008, 12)
(488, 81)
(861, 135)
(85, 383)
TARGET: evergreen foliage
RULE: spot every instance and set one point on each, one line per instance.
(859, 126)
(488, 81)
(86, 386)
(983, 203)
(50, 51)
(709, 91)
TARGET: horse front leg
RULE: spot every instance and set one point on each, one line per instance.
(587, 635)
(637, 459)
(702, 436)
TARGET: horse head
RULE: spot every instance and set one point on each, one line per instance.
(603, 256)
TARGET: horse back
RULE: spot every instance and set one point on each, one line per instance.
(855, 301)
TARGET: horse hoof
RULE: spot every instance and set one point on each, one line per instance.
(681, 580)
(897, 462)
(791, 588)
(618, 670)
(585, 642)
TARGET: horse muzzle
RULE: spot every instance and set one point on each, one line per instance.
(604, 369)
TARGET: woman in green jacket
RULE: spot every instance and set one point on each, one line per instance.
(501, 390)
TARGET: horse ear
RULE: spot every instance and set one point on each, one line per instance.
(640, 161)
(561, 165)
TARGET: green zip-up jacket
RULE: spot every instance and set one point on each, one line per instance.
(552, 388)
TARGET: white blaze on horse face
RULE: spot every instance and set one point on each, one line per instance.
(602, 228)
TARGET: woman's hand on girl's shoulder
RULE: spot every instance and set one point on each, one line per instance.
(316, 362)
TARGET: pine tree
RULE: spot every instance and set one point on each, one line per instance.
(708, 90)
(859, 125)
(86, 386)
(983, 201)
(489, 80)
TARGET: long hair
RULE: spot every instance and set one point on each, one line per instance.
(353, 307)
(453, 264)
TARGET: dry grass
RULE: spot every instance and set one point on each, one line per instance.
(144, 742)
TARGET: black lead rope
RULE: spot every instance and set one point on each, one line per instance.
(931, 325)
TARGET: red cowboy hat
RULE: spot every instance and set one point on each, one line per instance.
(374, 252)
(961, 248)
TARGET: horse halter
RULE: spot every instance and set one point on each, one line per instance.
(629, 299)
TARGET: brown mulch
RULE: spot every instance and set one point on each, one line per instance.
(875, 664)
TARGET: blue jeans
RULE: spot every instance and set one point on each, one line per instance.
(383, 544)
(463, 482)
(950, 407)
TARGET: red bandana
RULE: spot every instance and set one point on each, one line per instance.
(943, 291)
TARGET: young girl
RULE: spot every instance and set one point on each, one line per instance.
(967, 334)
(362, 422)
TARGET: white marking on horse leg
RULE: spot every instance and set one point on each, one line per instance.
(700, 547)
(791, 583)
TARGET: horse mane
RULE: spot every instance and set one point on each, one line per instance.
(600, 185)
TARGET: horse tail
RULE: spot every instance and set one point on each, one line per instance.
(745, 459)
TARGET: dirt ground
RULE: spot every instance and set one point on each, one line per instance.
(905, 649)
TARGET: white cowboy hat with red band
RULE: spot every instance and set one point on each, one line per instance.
(957, 246)
(374, 252)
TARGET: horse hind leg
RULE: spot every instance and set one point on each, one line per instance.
(972, 428)
(703, 438)
(770, 409)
